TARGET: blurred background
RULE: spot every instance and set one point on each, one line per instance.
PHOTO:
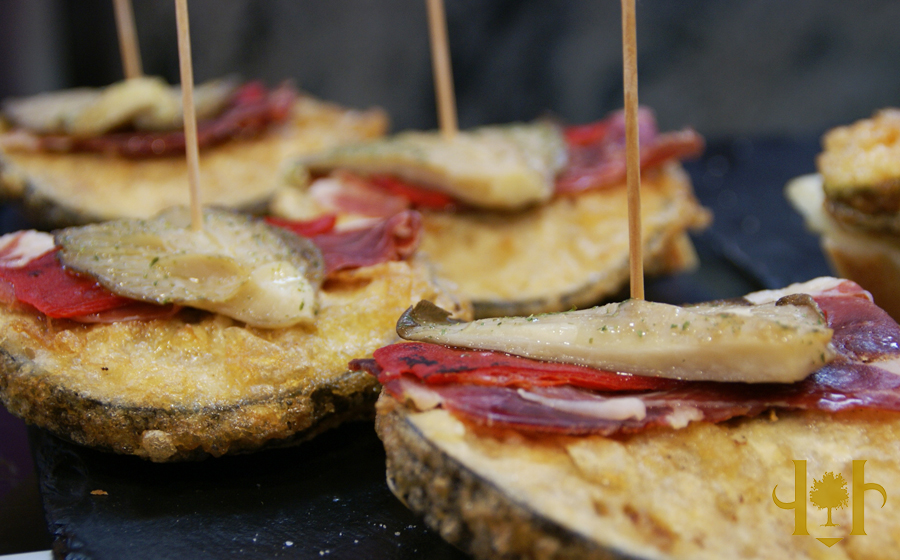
(730, 69)
(760, 67)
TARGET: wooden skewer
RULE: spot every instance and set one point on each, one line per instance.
(190, 117)
(128, 43)
(633, 150)
(440, 62)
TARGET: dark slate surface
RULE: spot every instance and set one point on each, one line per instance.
(328, 498)
(325, 499)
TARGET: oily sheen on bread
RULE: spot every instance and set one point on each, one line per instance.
(515, 457)
(171, 344)
(200, 384)
(704, 491)
(60, 189)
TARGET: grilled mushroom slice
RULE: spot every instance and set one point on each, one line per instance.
(234, 265)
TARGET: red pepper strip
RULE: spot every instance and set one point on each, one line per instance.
(44, 284)
(419, 197)
(438, 365)
(305, 228)
(587, 134)
(135, 311)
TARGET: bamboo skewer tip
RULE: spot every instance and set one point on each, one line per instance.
(192, 152)
(128, 43)
(632, 142)
(443, 74)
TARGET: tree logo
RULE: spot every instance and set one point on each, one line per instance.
(830, 492)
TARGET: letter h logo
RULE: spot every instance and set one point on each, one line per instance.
(830, 493)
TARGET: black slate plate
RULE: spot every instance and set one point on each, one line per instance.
(325, 499)
(328, 498)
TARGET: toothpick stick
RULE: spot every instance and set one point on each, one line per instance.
(440, 62)
(190, 117)
(128, 43)
(633, 150)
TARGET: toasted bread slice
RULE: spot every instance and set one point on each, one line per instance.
(704, 491)
(66, 189)
(201, 384)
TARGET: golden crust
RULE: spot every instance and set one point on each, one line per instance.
(862, 155)
(854, 204)
(860, 167)
(700, 492)
(66, 189)
(201, 383)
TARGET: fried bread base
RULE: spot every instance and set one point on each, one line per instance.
(704, 491)
(202, 384)
(67, 189)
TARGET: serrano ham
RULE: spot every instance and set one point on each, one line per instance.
(394, 238)
(252, 110)
(498, 390)
(595, 160)
(597, 151)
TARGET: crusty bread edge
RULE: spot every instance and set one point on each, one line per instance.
(467, 510)
(179, 434)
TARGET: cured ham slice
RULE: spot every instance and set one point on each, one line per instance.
(497, 390)
(350, 194)
(597, 151)
(306, 228)
(395, 238)
(250, 113)
(375, 196)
